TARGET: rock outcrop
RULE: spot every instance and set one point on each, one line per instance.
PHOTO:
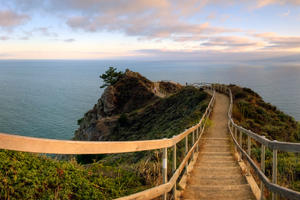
(130, 93)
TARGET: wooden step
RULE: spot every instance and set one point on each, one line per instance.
(242, 191)
(205, 153)
(220, 164)
(215, 157)
(229, 180)
(200, 171)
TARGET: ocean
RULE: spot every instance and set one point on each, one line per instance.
(45, 98)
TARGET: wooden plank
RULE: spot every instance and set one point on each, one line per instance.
(174, 169)
(285, 146)
(274, 172)
(149, 194)
(165, 169)
(262, 166)
(38, 145)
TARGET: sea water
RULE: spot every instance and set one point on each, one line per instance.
(45, 98)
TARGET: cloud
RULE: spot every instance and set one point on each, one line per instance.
(24, 38)
(286, 13)
(280, 42)
(211, 16)
(144, 26)
(69, 40)
(45, 31)
(4, 38)
(159, 19)
(263, 3)
(9, 19)
(232, 41)
(220, 57)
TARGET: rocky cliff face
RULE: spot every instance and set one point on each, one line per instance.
(130, 93)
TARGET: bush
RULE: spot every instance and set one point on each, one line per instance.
(30, 176)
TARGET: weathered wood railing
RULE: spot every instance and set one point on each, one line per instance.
(50, 146)
(274, 145)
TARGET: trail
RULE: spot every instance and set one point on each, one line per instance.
(216, 174)
(157, 91)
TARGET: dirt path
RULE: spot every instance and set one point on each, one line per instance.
(157, 91)
(216, 174)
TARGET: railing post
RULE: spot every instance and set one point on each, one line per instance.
(174, 169)
(193, 142)
(274, 171)
(186, 152)
(241, 144)
(262, 166)
(249, 153)
(235, 135)
(165, 169)
(197, 137)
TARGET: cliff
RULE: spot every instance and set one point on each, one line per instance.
(131, 93)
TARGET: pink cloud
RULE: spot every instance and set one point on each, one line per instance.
(10, 19)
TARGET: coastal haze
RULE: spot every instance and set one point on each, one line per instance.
(46, 98)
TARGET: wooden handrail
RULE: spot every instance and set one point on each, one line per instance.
(51, 146)
(275, 145)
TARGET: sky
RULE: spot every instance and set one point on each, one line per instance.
(150, 29)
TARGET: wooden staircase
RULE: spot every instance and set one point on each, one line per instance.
(216, 174)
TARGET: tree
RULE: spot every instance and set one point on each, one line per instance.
(110, 77)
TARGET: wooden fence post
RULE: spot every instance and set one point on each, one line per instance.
(197, 137)
(165, 169)
(235, 136)
(274, 172)
(249, 153)
(262, 166)
(186, 151)
(193, 142)
(174, 169)
(241, 144)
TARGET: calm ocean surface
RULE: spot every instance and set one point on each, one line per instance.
(46, 98)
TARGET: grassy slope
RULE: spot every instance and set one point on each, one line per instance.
(31, 176)
(253, 113)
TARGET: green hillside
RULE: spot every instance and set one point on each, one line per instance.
(253, 113)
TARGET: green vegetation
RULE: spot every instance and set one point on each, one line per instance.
(253, 113)
(164, 118)
(33, 176)
(110, 77)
